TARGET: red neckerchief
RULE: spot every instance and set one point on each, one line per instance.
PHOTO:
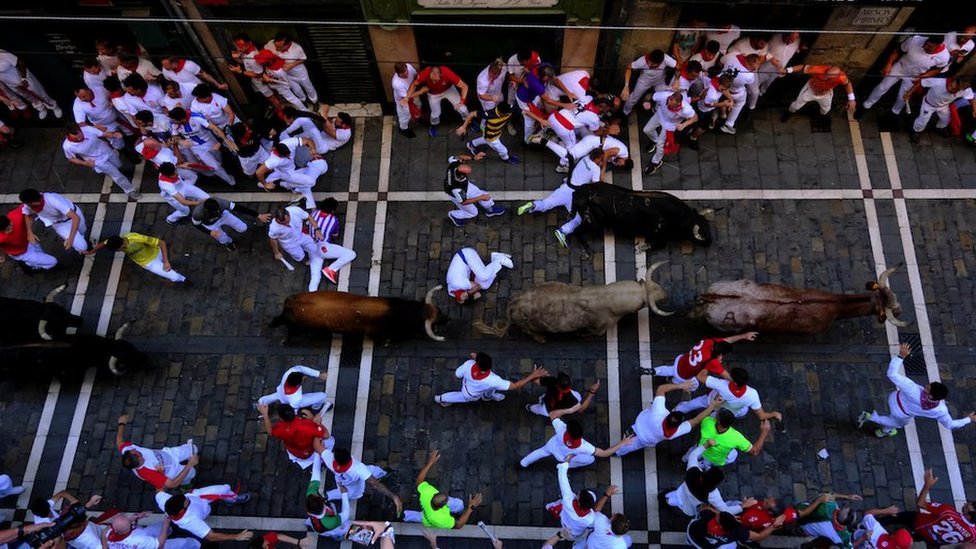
(580, 512)
(168, 178)
(591, 107)
(737, 390)
(242, 44)
(940, 49)
(40, 206)
(714, 82)
(571, 442)
(925, 400)
(179, 65)
(457, 295)
(714, 528)
(684, 73)
(150, 153)
(742, 59)
(115, 536)
(532, 62)
(116, 94)
(291, 389)
(667, 429)
(341, 468)
(674, 109)
(477, 373)
(275, 152)
(179, 515)
(74, 139)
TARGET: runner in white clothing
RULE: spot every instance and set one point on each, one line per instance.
(607, 533)
(918, 57)
(912, 400)
(124, 533)
(95, 109)
(184, 71)
(294, 56)
(575, 513)
(178, 193)
(588, 170)
(190, 510)
(54, 210)
(737, 396)
(657, 424)
(701, 487)
(325, 219)
(287, 233)
(742, 69)
(490, 85)
(199, 137)
(354, 475)
(22, 82)
(282, 165)
(478, 382)
(467, 274)
(673, 114)
(87, 146)
(403, 75)
(568, 441)
(782, 47)
(289, 391)
(942, 92)
(212, 106)
(652, 67)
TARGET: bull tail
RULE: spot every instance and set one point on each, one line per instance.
(498, 330)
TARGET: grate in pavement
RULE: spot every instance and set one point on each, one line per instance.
(915, 363)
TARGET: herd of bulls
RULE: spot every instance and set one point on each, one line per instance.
(34, 338)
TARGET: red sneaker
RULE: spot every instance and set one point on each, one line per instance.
(331, 275)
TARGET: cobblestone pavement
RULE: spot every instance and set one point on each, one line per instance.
(794, 207)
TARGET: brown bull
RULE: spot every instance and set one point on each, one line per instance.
(744, 305)
(558, 308)
(380, 318)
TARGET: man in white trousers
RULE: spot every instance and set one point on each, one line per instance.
(15, 75)
(407, 109)
(439, 83)
(169, 467)
(478, 382)
(280, 166)
(57, 212)
(190, 510)
(656, 423)
(652, 67)
(568, 444)
(15, 244)
(92, 108)
(463, 193)
(491, 85)
(674, 113)
(325, 219)
(88, 147)
(940, 94)
(911, 400)
(354, 475)
(178, 193)
(492, 122)
(294, 56)
(742, 69)
(289, 391)
(213, 215)
(199, 137)
(125, 533)
(148, 252)
(287, 234)
(918, 57)
(467, 275)
(575, 512)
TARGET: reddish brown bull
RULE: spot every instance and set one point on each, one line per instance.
(744, 305)
(380, 318)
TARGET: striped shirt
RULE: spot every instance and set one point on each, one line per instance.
(327, 223)
(493, 123)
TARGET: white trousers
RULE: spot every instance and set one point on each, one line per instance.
(35, 258)
(496, 145)
(655, 131)
(111, 169)
(672, 370)
(156, 267)
(456, 505)
(807, 95)
(528, 123)
(227, 219)
(925, 113)
(181, 210)
(80, 242)
(37, 96)
(562, 196)
(249, 164)
(640, 88)
(566, 135)
(886, 84)
(301, 84)
(342, 255)
(283, 88)
(403, 112)
(897, 417)
(579, 460)
(470, 211)
(316, 257)
(460, 271)
(738, 102)
(302, 180)
(462, 396)
(356, 489)
(308, 400)
(453, 97)
(212, 160)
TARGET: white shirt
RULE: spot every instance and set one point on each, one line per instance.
(738, 405)
(95, 81)
(145, 69)
(670, 119)
(186, 75)
(90, 538)
(402, 84)
(196, 129)
(212, 111)
(649, 425)
(194, 518)
(180, 187)
(138, 538)
(557, 444)
(184, 100)
(153, 459)
(8, 69)
(294, 52)
(603, 538)
(571, 520)
(152, 101)
(706, 64)
(939, 97)
(574, 82)
(652, 76)
(488, 86)
(295, 398)
(741, 76)
(781, 51)
(93, 147)
(586, 171)
(55, 209)
(285, 166)
(343, 135)
(909, 395)
(915, 60)
(713, 94)
(357, 473)
(724, 38)
(682, 498)
(587, 143)
(477, 388)
(745, 47)
(292, 232)
(951, 41)
(97, 111)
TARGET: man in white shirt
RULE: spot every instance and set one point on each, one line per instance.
(176, 94)
(490, 84)
(354, 475)
(178, 193)
(190, 510)
(588, 170)
(742, 69)
(14, 74)
(95, 109)
(673, 114)
(87, 146)
(130, 63)
(286, 234)
(568, 441)
(280, 166)
(960, 44)
(782, 47)
(911, 400)
(941, 93)
(58, 212)
(727, 34)
(657, 424)
(294, 56)
(212, 106)
(140, 95)
(609, 532)
(575, 513)
(467, 274)
(289, 391)
(302, 125)
(184, 71)
(737, 396)
(197, 136)
(123, 533)
(478, 382)
(403, 75)
(917, 58)
(652, 67)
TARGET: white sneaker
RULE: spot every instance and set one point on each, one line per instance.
(728, 129)
(134, 195)
(57, 111)
(42, 114)
(562, 169)
(504, 261)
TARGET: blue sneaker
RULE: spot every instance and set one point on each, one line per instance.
(472, 149)
(432, 131)
(457, 222)
(495, 210)
(512, 159)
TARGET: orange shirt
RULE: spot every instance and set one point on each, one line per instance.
(820, 82)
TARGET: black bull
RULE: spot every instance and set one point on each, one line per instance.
(657, 216)
(23, 320)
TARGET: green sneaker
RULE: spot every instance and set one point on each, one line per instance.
(863, 418)
(525, 208)
(561, 238)
(882, 433)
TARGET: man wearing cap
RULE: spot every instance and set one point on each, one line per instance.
(674, 113)
(911, 400)
(467, 275)
(568, 443)
(707, 354)
(918, 57)
(54, 210)
(936, 523)
(657, 424)
(169, 467)
(575, 512)
(728, 440)
(289, 390)
(353, 474)
(478, 382)
(438, 510)
(296, 433)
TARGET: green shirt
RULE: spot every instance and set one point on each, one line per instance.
(824, 513)
(727, 441)
(433, 518)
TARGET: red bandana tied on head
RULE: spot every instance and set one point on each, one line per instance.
(457, 295)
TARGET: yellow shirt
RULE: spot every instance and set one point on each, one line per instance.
(140, 248)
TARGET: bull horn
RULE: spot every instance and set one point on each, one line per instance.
(429, 298)
(121, 330)
(891, 318)
(113, 365)
(706, 211)
(42, 324)
(658, 311)
(883, 277)
(429, 323)
(654, 266)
